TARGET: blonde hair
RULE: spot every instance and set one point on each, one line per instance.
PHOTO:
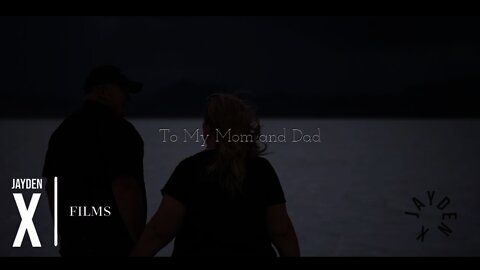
(228, 114)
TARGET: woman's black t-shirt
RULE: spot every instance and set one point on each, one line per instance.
(217, 222)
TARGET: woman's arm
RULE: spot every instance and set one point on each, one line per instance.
(161, 229)
(281, 231)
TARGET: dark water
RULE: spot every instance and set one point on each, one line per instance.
(346, 195)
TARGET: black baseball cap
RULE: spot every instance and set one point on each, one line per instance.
(109, 74)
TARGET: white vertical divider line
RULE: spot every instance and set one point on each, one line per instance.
(55, 212)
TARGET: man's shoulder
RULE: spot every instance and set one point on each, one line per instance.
(124, 124)
(121, 127)
(66, 127)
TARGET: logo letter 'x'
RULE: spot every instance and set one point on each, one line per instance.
(27, 222)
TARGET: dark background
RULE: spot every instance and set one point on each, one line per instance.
(288, 66)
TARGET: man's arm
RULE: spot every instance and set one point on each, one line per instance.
(281, 231)
(130, 202)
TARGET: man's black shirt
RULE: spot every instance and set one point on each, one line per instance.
(89, 150)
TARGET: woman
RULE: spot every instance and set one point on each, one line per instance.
(226, 200)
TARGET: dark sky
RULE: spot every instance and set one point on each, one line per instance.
(47, 58)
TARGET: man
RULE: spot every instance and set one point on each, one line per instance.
(97, 156)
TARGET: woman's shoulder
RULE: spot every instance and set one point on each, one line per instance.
(260, 162)
(197, 157)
